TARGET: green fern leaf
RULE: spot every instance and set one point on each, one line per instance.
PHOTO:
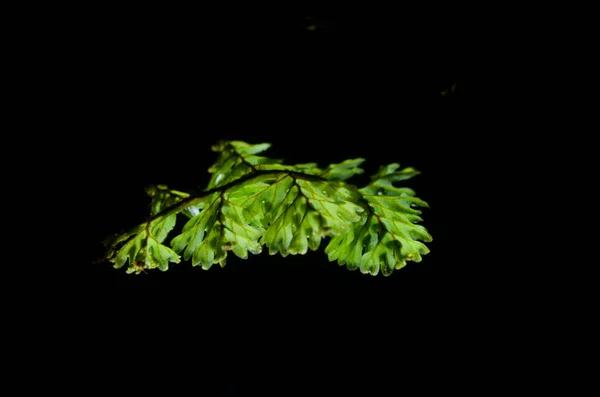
(284, 212)
(253, 201)
(143, 248)
(235, 160)
(163, 197)
(300, 212)
(344, 170)
(388, 234)
(220, 227)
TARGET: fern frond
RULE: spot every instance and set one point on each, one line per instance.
(253, 201)
(283, 211)
(388, 234)
(142, 246)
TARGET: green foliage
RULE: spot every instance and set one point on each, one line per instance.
(144, 248)
(387, 235)
(253, 201)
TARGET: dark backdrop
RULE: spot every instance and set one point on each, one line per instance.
(149, 93)
(137, 95)
(152, 94)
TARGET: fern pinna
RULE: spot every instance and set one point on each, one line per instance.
(253, 201)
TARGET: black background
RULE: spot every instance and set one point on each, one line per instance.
(149, 91)
(151, 95)
(130, 96)
(156, 95)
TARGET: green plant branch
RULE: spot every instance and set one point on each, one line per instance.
(253, 201)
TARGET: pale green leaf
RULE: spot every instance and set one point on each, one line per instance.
(222, 226)
(302, 211)
(344, 170)
(388, 235)
(252, 200)
(163, 197)
(235, 160)
(143, 250)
